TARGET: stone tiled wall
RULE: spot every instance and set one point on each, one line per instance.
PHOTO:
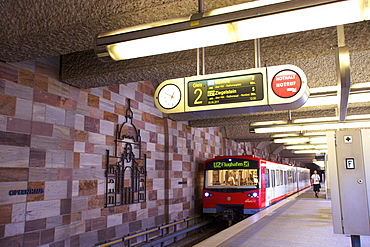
(53, 139)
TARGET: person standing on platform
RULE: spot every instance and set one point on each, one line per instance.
(315, 181)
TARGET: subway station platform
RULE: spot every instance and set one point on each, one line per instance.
(300, 221)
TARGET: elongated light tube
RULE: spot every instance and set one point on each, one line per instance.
(222, 31)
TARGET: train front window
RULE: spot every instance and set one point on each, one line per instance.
(243, 178)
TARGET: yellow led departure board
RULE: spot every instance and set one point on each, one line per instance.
(233, 89)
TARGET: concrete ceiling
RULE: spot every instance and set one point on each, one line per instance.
(33, 29)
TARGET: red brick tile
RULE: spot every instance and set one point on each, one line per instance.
(66, 103)
(45, 97)
(18, 125)
(65, 174)
(66, 220)
(81, 136)
(26, 78)
(106, 94)
(48, 70)
(47, 236)
(13, 174)
(67, 144)
(139, 97)
(107, 233)
(6, 214)
(92, 124)
(2, 86)
(96, 113)
(35, 197)
(110, 117)
(88, 187)
(77, 216)
(7, 105)
(31, 239)
(14, 139)
(44, 129)
(148, 118)
(114, 88)
(8, 72)
(34, 225)
(2, 231)
(13, 241)
(93, 100)
(120, 109)
(96, 202)
(89, 148)
(41, 82)
(98, 223)
(37, 157)
(76, 160)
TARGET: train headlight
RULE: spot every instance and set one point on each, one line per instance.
(207, 194)
(254, 195)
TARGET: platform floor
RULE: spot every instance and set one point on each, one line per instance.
(300, 221)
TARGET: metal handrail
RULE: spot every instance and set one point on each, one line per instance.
(159, 229)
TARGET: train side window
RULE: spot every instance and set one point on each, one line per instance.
(277, 178)
(285, 178)
(273, 182)
(267, 178)
(281, 177)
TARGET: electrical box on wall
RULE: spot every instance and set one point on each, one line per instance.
(349, 175)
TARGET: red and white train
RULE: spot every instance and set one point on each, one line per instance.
(235, 186)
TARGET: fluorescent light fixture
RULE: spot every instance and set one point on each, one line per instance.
(284, 135)
(310, 151)
(268, 123)
(209, 29)
(292, 140)
(299, 147)
(314, 127)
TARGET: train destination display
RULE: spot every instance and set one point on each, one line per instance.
(214, 91)
(275, 88)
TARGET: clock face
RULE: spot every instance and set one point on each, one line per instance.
(169, 96)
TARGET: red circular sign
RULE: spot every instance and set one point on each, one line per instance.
(286, 83)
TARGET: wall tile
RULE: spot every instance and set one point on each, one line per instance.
(55, 115)
(18, 212)
(37, 157)
(43, 142)
(13, 174)
(19, 125)
(40, 128)
(91, 124)
(26, 77)
(23, 109)
(41, 174)
(8, 105)
(47, 68)
(55, 158)
(6, 199)
(14, 139)
(13, 156)
(61, 131)
(88, 187)
(36, 185)
(33, 225)
(42, 209)
(19, 91)
(90, 160)
(31, 239)
(93, 101)
(14, 229)
(55, 190)
(6, 214)
(8, 72)
(41, 82)
(47, 236)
